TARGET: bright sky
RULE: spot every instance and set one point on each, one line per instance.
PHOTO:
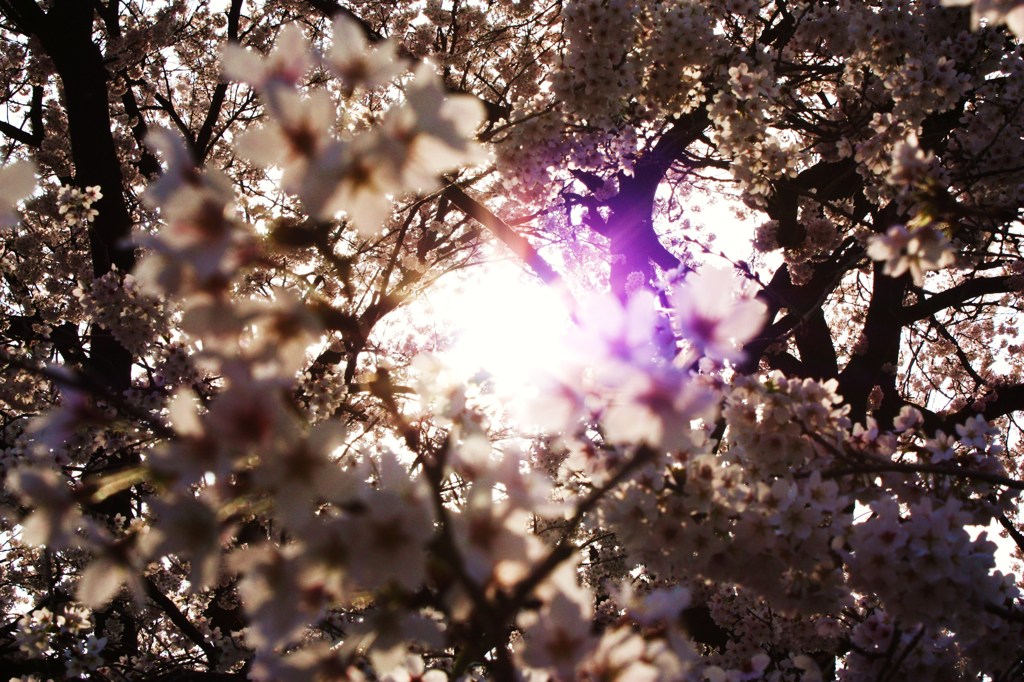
(505, 322)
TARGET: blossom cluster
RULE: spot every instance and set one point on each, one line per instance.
(76, 204)
(738, 112)
(115, 302)
(67, 633)
(430, 133)
(915, 251)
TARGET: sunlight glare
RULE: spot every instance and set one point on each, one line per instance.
(505, 323)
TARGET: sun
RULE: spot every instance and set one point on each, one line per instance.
(503, 323)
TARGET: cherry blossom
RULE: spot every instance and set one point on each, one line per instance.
(707, 316)
(230, 446)
(354, 62)
(76, 205)
(284, 66)
(917, 251)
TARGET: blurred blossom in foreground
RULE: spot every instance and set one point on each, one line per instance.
(916, 250)
(1009, 12)
(710, 316)
(17, 181)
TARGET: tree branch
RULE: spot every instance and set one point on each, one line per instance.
(204, 138)
(1018, 537)
(910, 468)
(178, 618)
(26, 15)
(508, 236)
(958, 295)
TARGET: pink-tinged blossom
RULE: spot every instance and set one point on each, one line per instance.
(922, 563)
(17, 181)
(388, 634)
(495, 539)
(908, 419)
(868, 438)
(195, 452)
(249, 414)
(391, 532)
(355, 62)
(656, 408)
(661, 605)
(85, 657)
(559, 405)
(362, 183)
(940, 448)
(77, 409)
(753, 669)
(285, 65)
(622, 656)
(607, 330)
(911, 165)
(917, 251)
(183, 191)
(413, 669)
(301, 474)
(808, 667)
(708, 315)
(185, 525)
(271, 335)
(104, 577)
(428, 134)
(444, 128)
(315, 661)
(277, 592)
(199, 244)
(976, 432)
(298, 139)
(76, 205)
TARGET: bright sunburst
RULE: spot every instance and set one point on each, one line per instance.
(504, 323)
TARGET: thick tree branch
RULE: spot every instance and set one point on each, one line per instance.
(1018, 537)
(522, 248)
(25, 15)
(19, 135)
(803, 303)
(814, 341)
(204, 138)
(912, 468)
(180, 620)
(876, 364)
(958, 295)
(634, 243)
(1002, 400)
